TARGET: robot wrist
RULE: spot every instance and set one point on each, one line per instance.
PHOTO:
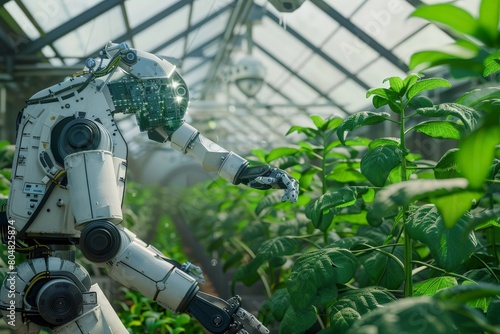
(232, 167)
(250, 173)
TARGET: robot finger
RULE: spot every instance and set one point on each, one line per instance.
(266, 180)
(292, 189)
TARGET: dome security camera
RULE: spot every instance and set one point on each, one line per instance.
(248, 74)
(286, 6)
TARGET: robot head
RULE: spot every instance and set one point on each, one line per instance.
(152, 90)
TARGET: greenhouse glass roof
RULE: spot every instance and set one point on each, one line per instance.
(319, 59)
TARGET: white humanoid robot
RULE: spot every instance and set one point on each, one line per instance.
(68, 180)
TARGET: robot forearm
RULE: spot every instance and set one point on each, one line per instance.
(213, 158)
(230, 166)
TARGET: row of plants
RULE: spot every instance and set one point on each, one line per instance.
(375, 224)
(382, 239)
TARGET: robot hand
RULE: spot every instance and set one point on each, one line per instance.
(266, 177)
(220, 316)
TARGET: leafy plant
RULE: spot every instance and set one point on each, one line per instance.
(475, 51)
(376, 226)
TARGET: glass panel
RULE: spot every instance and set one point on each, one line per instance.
(379, 70)
(279, 42)
(140, 11)
(91, 37)
(320, 73)
(273, 70)
(349, 51)
(23, 22)
(428, 38)
(51, 14)
(209, 30)
(195, 76)
(152, 37)
(350, 96)
(346, 8)
(269, 96)
(298, 91)
(386, 21)
(311, 22)
(173, 50)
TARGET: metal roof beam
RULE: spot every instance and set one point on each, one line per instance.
(319, 52)
(239, 14)
(298, 76)
(197, 25)
(346, 23)
(149, 22)
(126, 21)
(69, 26)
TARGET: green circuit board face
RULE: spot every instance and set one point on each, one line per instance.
(159, 102)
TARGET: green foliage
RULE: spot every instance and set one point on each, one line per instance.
(475, 50)
(374, 222)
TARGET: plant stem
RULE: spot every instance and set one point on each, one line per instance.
(323, 179)
(407, 240)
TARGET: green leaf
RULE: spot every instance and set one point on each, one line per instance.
(272, 248)
(430, 286)
(440, 129)
(446, 168)
(467, 115)
(421, 102)
(384, 141)
(425, 85)
(492, 64)
(409, 81)
(359, 119)
(468, 292)
(318, 121)
(383, 270)
(384, 93)
(449, 247)
(280, 301)
(396, 173)
(351, 242)
(449, 15)
(280, 152)
(406, 192)
(486, 275)
(379, 101)
(494, 311)
(309, 132)
(476, 96)
(376, 164)
(318, 210)
(297, 320)
(346, 172)
(332, 123)
(481, 303)
(454, 205)
(268, 202)
(477, 151)
(447, 54)
(489, 13)
(408, 315)
(319, 269)
(396, 83)
(353, 304)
